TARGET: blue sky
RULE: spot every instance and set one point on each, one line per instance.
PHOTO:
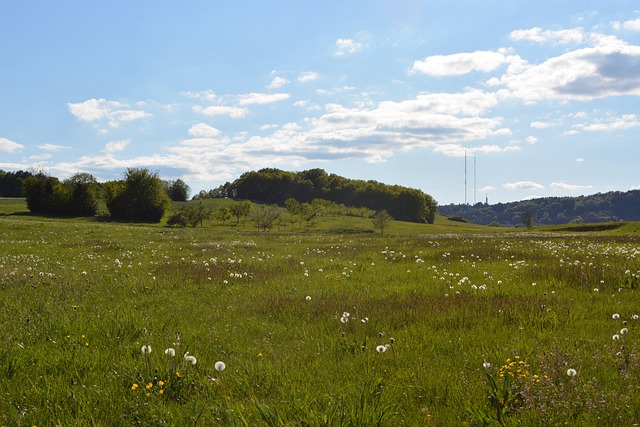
(543, 97)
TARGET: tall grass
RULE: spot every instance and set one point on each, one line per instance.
(425, 311)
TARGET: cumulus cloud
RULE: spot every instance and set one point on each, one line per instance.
(540, 125)
(116, 146)
(262, 98)
(221, 110)
(278, 82)
(609, 124)
(347, 46)
(462, 63)
(308, 76)
(523, 185)
(203, 129)
(97, 109)
(609, 67)
(532, 140)
(8, 146)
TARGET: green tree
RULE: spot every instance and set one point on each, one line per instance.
(240, 210)
(141, 196)
(177, 190)
(381, 220)
(222, 214)
(84, 194)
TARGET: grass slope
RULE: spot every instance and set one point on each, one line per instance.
(414, 327)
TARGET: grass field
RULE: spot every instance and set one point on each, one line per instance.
(447, 324)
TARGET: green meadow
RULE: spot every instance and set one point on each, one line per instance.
(324, 324)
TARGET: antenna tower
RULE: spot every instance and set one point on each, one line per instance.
(465, 177)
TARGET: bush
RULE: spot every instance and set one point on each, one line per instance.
(141, 196)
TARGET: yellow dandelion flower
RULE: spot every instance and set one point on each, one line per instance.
(160, 383)
(178, 374)
(86, 344)
(161, 391)
(260, 354)
(134, 387)
(149, 386)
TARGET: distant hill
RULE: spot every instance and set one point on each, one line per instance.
(601, 207)
(271, 185)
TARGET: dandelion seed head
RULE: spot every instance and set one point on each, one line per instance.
(170, 352)
(615, 316)
(486, 365)
(145, 349)
(571, 372)
(220, 366)
(616, 337)
(623, 331)
(381, 348)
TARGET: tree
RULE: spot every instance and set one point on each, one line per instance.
(177, 190)
(222, 214)
(39, 191)
(84, 194)
(381, 220)
(264, 216)
(141, 196)
(240, 210)
(528, 218)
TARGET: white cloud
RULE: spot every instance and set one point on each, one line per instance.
(8, 146)
(347, 46)
(607, 69)
(462, 63)
(532, 139)
(633, 25)
(579, 160)
(203, 129)
(50, 147)
(308, 76)
(610, 124)
(536, 34)
(277, 82)
(487, 188)
(540, 125)
(523, 185)
(98, 109)
(221, 110)
(116, 146)
(565, 186)
(262, 98)
(207, 95)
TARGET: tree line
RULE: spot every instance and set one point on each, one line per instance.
(140, 196)
(602, 207)
(274, 186)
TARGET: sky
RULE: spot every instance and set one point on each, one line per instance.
(469, 101)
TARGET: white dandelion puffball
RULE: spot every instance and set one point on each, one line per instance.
(571, 372)
(616, 337)
(170, 352)
(486, 365)
(381, 348)
(219, 366)
(615, 316)
(191, 359)
(308, 298)
(623, 331)
(145, 349)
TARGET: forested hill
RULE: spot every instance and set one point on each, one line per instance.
(601, 207)
(276, 186)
